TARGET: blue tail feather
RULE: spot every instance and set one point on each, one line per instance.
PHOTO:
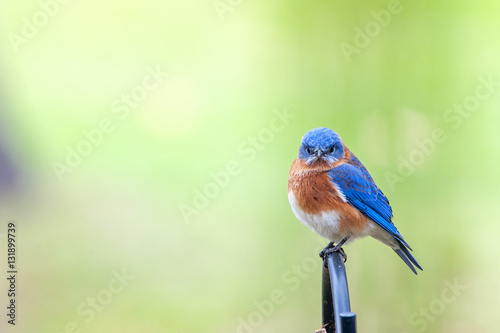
(407, 257)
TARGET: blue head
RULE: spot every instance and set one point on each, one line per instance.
(321, 144)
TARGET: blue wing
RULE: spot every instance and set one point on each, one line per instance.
(361, 192)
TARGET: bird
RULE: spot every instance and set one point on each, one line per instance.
(332, 192)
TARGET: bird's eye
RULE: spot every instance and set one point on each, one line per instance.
(332, 149)
(308, 150)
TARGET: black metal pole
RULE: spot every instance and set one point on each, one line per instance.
(337, 315)
(348, 322)
(328, 315)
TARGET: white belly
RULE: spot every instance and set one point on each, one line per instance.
(327, 224)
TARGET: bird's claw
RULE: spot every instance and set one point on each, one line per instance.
(329, 249)
(323, 253)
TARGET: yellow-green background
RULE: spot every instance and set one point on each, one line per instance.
(120, 207)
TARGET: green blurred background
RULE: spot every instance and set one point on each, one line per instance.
(240, 261)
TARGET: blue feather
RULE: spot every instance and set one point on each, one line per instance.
(361, 192)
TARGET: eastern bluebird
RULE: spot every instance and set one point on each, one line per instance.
(331, 192)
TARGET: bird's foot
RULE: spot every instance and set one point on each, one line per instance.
(330, 248)
(323, 253)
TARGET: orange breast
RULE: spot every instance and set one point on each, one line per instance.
(315, 193)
